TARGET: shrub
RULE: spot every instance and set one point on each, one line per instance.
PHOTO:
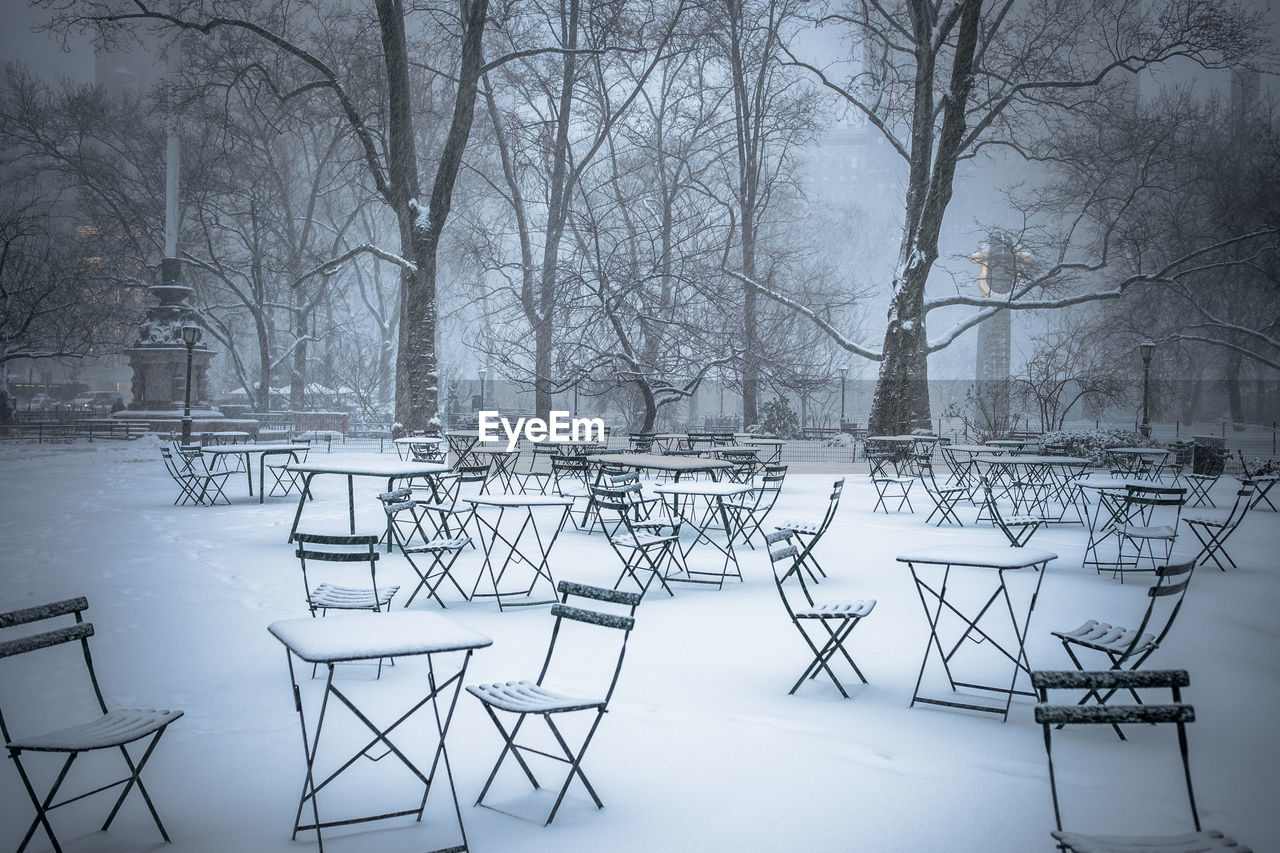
(1092, 444)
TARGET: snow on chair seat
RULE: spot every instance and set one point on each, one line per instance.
(837, 609)
(1195, 842)
(329, 596)
(1103, 637)
(115, 728)
(525, 697)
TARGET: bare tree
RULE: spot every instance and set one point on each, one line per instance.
(1068, 366)
(943, 80)
(319, 64)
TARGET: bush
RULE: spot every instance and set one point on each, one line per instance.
(1092, 444)
(778, 418)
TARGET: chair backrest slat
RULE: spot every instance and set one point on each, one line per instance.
(1114, 714)
(613, 596)
(44, 611)
(592, 617)
(31, 643)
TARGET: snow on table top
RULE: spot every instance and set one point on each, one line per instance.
(256, 448)
(972, 448)
(371, 466)
(765, 441)
(368, 636)
(1106, 483)
(660, 462)
(1139, 451)
(981, 556)
(420, 439)
(706, 489)
(1033, 460)
(519, 500)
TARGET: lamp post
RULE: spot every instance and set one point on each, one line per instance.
(844, 374)
(1147, 348)
(190, 337)
(484, 371)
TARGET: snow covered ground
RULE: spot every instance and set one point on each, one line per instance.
(702, 749)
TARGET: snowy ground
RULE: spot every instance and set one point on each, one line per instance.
(703, 748)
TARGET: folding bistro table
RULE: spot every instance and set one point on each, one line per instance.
(262, 451)
(362, 637)
(683, 499)
(502, 464)
(527, 544)
(354, 466)
(946, 615)
(673, 465)
(774, 446)
(1105, 519)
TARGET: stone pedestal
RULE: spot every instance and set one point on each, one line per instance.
(159, 357)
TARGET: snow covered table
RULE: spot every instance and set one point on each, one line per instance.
(244, 451)
(491, 511)
(674, 465)
(352, 467)
(371, 637)
(683, 501)
(410, 447)
(943, 610)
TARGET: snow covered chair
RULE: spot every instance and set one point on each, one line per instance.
(329, 548)
(441, 548)
(1178, 713)
(649, 546)
(944, 498)
(754, 507)
(807, 534)
(1151, 516)
(837, 618)
(112, 730)
(523, 699)
(1129, 648)
(1214, 528)
(1018, 529)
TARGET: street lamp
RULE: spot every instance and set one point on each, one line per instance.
(190, 337)
(484, 371)
(844, 374)
(1147, 348)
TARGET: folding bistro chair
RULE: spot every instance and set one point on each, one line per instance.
(892, 487)
(206, 486)
(330, 548)
(177, 470)
(569, 479)
(112, 730)
(837, 618)
(808, 534)
(406, 517)
(754, 507)
(944, 498)
(1129, 648)
(1263, 482)
(1178, 713)
(1151, 516)
(1214, 529)
(524, 698)
(535, 477)
(1018, 529)
(284, 481)
(1199, 485)
(651, 546)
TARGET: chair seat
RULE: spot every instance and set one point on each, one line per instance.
(1208, 519)
(1159, 531)
(440, 543)
(1195, 842)
(348, 598)
(797, 526)
(641, 539)
(525, 697)
(837, 609)
(1023, 519)
(1106, 638)
(115, 728)
(901, 481)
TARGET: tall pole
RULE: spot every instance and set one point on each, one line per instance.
(1146, 349)
(844, 374)
(186, 407)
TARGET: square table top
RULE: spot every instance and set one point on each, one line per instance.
(369, 636)
(255, 448)
(518, 500)
(710, 490)
(420, 439)
(660, 462)
(370, 466)
(980, 556)
(1032, 460)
